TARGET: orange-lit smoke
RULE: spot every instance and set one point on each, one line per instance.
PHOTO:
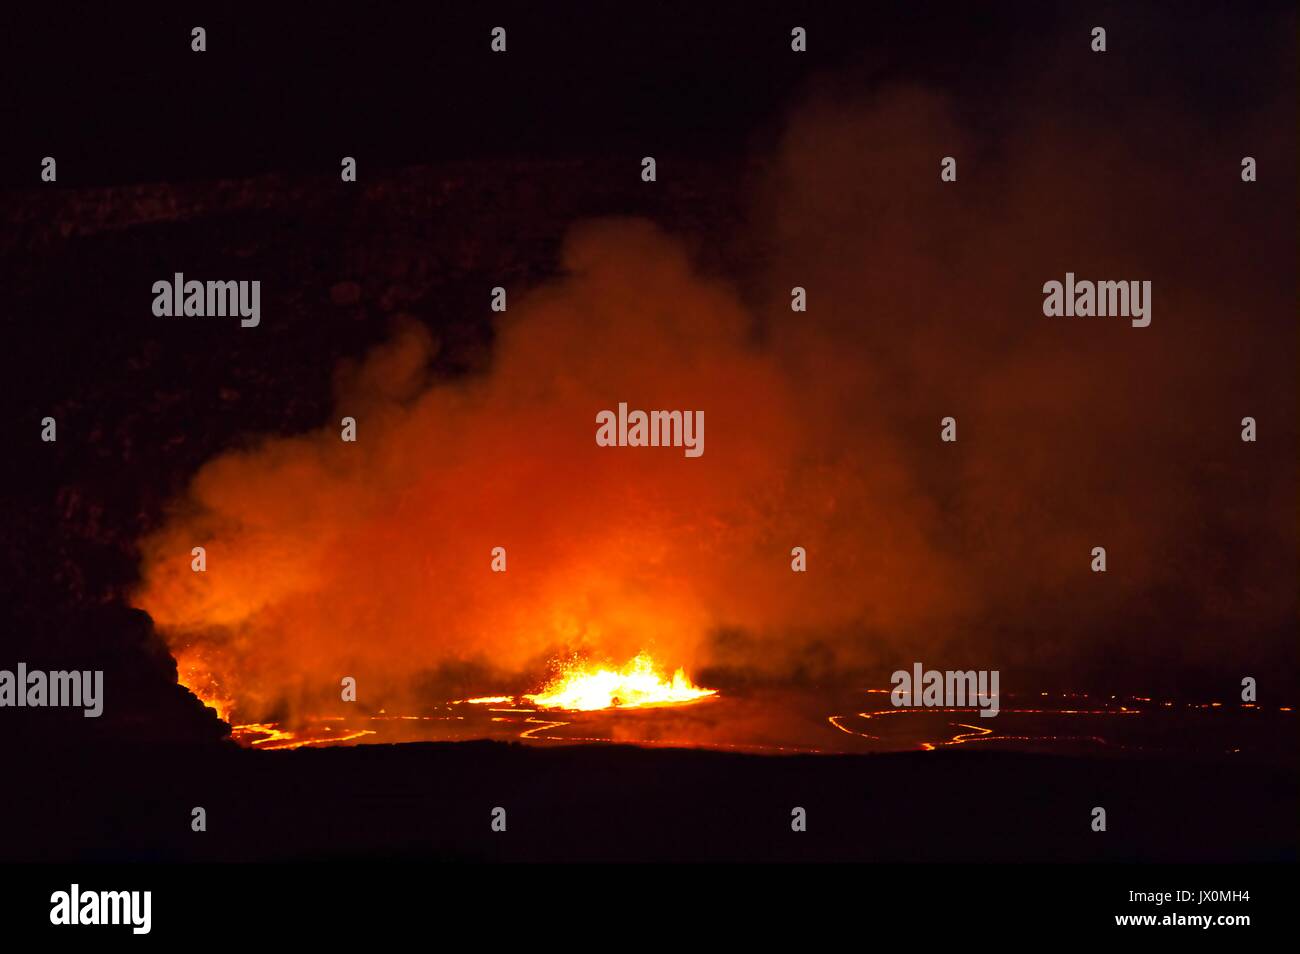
(372, 559)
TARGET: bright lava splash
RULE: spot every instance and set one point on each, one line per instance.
(585, 687)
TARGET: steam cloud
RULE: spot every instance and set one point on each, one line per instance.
(371, 559)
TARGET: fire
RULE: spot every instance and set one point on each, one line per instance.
(194, 675)
(584, 687)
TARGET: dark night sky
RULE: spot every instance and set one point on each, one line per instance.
(121, 101)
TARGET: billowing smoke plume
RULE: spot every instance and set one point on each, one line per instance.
(373, 559)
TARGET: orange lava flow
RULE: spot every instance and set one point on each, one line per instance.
(585, 687)
(194, 675)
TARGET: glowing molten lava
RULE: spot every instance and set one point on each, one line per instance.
(584, 686)
(192, 673)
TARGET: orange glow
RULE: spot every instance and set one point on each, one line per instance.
(585, 687)
(269, 735)
(194, 675)
(984, 733)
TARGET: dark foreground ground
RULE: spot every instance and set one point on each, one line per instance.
(434, 801)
